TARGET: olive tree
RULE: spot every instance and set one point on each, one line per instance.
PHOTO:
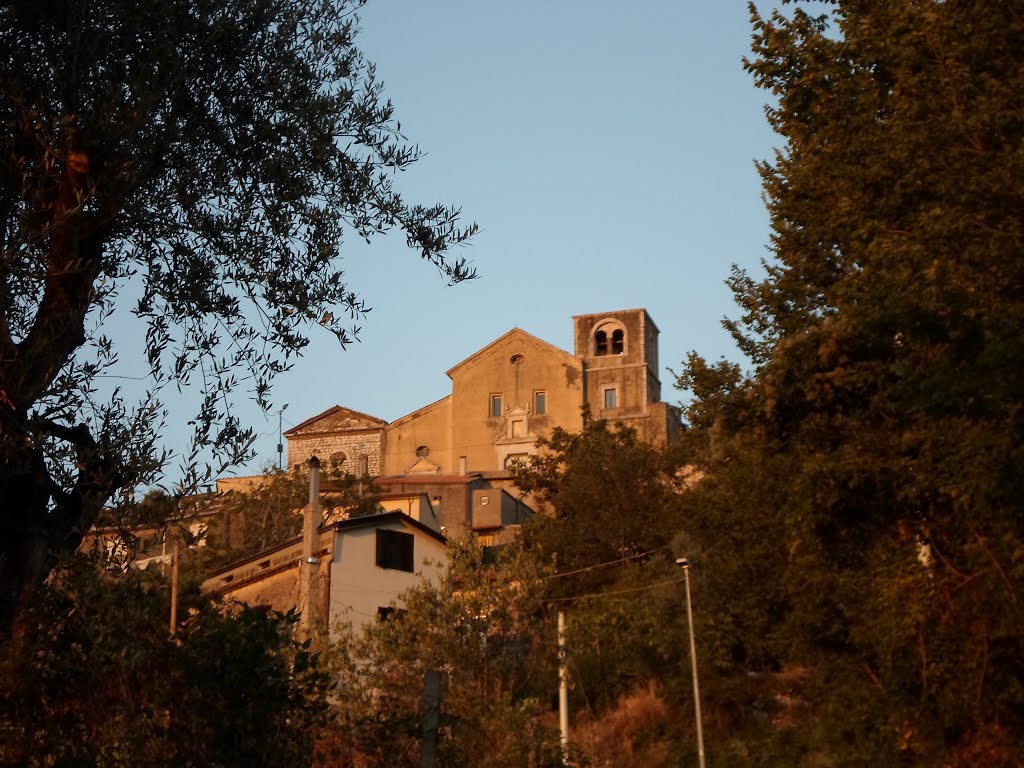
(194, 167)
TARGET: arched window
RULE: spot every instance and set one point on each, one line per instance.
(618, 337)
(609, 339)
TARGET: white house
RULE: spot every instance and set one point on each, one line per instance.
(350, 570)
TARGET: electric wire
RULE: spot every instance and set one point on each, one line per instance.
(612, 593)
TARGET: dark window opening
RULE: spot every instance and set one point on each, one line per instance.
(611, 399)
(617, 341)
(395, 550)
(600, 343)
(496, 409)
(389, 613)
(423, 451)
(540, 403)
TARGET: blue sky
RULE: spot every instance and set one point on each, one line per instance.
(605, 149)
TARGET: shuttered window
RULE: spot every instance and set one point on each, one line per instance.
(394, 550)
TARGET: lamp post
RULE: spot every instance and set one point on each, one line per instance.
(683, 563)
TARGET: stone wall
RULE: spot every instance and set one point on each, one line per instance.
(335, 446)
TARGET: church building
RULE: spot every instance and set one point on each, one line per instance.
(503, 398)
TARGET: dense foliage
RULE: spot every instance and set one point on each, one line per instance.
(93, 677)
(606, 494)
(862, 500)
(485, 628)
(196, 164)
(609, 514)
(852, 504)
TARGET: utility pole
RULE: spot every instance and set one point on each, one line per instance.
(431, 717)
(563, 689)
(280, 444)
(311, 519)
(683, 563)
(174, 588)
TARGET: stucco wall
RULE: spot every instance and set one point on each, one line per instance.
(359, 587)
(429, 426)
(516, 368)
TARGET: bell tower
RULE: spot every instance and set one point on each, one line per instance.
(619, 354)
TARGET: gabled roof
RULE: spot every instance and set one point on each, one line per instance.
(512, 335)
(337, 419)
(372, 521)
(421, 410)
(353, 523)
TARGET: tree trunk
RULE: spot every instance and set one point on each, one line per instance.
(26, 551)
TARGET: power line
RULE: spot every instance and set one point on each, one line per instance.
(602, 565)
(613, 592)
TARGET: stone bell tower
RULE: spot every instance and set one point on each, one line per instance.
(619, 355)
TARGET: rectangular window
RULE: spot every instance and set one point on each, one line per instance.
(611, 398)
(496, 410)
(394, 550)
(540, 403)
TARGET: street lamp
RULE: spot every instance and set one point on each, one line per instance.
(683, 563)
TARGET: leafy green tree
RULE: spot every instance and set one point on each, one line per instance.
(876, 440)
(198, 163)
(610, 513)
(92, 676)
(608, 496)
(485, 628)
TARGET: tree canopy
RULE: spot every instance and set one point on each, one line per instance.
(607, 494)
(194, 166)
(871, 457)
(91, 677)
(482, 625)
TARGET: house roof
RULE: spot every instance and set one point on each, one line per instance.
(420, 410)
(337, 411)
(505, 339)
(354, 523)
(398, 495)
(372, 521)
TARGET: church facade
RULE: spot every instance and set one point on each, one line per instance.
(503, 398)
